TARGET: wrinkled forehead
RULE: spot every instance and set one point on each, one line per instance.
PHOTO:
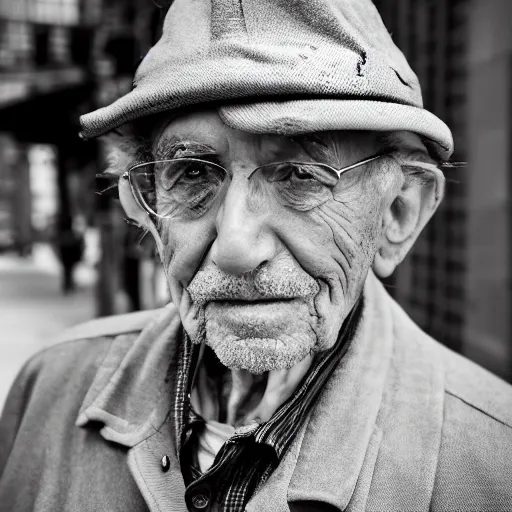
(204, 131)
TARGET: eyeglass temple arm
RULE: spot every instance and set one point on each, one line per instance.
(339, 172)
(453, 165)
(343, 170)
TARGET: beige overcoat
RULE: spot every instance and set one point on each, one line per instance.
(403, 425)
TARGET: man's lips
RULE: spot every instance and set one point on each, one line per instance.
(262, 317)
(254, 302)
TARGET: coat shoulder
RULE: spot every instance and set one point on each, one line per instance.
(109, 326)
(38, 436)
(477, 388)
(474, 466)
(463, 379)
(55, 380)
(78, 352)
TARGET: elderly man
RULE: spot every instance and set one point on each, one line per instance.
(279, 154)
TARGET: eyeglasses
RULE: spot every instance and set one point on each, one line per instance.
(187, 188)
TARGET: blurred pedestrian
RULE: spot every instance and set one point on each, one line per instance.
(69, 246)
(132, 255)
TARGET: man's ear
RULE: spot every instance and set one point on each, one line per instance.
(405, 217)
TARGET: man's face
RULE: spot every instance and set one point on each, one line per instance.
(261, 282)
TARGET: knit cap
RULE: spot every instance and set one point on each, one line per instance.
(279, 66)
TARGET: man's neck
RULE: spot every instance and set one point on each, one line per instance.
(237, 397)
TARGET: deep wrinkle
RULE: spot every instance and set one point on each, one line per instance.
(315, 276)
(324, 213)
(344, 282)
(185, 148)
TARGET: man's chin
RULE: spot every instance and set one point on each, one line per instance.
(259, 355)
(260, 336)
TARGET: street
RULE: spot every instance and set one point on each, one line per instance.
(33, 310)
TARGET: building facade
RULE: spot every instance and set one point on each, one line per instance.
(456, 284)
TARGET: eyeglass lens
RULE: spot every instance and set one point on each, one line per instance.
(181, 188)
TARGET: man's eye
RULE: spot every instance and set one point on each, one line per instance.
(286, 172)
(302, 174)
(194, 172)
(298, 185)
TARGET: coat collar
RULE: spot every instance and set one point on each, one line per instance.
(132, 391)
(338, 450)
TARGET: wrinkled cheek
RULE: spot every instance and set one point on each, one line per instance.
(349, 247)
(184, 248)
(354, 231)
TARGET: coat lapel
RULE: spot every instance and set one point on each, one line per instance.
(163, 491)
(132, 392)
(411, 418)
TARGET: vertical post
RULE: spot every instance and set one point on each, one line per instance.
(108, 265)
(106, 284)
(67, 245)
(23, 203)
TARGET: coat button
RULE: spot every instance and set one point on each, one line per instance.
(166, 463)
(200, 501)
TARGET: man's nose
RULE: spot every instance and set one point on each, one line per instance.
(244, 240)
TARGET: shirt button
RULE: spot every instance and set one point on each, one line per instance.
(166, 463)
(200, 501)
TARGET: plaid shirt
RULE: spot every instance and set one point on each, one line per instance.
(250, 455)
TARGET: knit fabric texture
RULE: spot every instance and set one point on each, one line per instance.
(279, 66)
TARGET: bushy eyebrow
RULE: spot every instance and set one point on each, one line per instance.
(174, 146)
(313, 144)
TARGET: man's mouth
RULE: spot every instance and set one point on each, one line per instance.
(257, 318)
(254, 302)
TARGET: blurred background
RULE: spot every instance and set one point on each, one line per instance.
(67, 255)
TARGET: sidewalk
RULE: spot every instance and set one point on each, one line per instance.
(33, 310)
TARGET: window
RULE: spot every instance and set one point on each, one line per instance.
(16, 44)
(56, 12)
